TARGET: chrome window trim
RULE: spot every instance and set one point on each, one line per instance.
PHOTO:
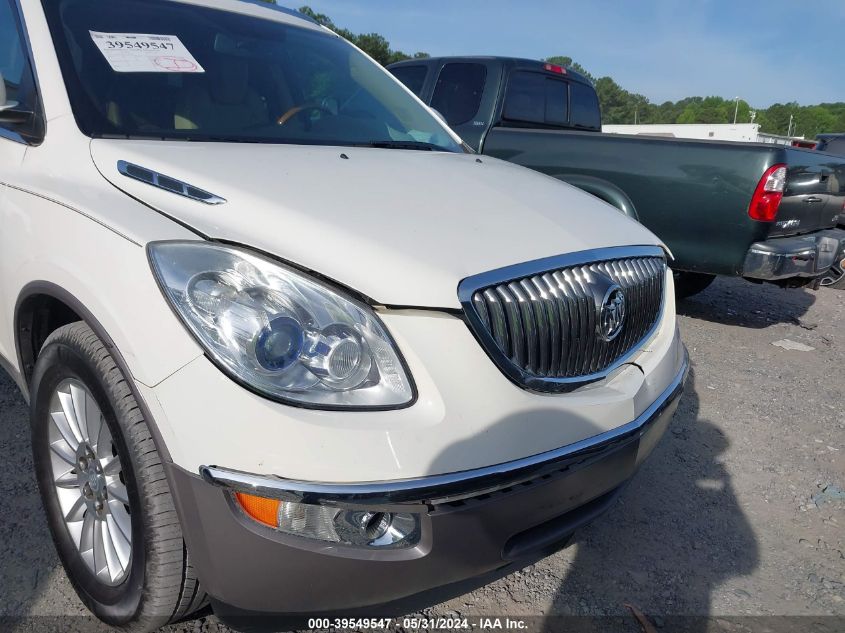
(469, 286)
(125, 168)
(453, 486)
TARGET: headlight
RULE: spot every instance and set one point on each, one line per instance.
(279, 331)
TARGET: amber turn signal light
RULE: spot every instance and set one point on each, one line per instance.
(263, 510)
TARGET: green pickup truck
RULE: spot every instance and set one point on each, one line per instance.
(760, 211)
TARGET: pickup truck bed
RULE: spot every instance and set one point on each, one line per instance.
(695, 195)
(691, 193)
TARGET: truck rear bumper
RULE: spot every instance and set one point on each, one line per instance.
(805, 256)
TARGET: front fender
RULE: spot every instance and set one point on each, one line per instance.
(51, 250)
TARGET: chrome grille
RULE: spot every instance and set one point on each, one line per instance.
(545, 323)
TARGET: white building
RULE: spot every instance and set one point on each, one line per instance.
(741, 132)
(738, 132)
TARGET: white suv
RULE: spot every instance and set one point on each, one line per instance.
(289, 346)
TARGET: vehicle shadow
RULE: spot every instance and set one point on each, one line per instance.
(677, 532)
(27, 556)
(734, 301)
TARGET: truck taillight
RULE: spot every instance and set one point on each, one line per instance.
(768, 194)
(554, 68)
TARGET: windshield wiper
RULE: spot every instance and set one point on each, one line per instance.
(193, 138)
(419, 145)
(218, 138)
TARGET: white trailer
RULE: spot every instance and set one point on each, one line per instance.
(740, 132)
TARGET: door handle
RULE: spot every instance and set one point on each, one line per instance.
(812, 199)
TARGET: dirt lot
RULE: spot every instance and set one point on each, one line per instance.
(739, 512)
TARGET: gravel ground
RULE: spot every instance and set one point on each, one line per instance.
(739, 511)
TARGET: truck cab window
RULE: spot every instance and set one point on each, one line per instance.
(556, 102)
(832, 146)
(536, 98)
(457, 95)
(585, 107)
(412, 76)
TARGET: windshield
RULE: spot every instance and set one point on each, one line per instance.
(167, 70)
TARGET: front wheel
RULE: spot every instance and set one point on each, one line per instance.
(104, 490)
(688, 284)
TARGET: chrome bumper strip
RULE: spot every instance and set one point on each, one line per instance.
(453, 486)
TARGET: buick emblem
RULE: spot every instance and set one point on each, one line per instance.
(611, 315)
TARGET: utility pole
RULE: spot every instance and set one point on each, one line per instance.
(736, 109)
(789, 127)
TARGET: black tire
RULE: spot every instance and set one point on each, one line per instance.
(159, 585)
(688, 284)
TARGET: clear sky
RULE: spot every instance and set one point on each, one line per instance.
(764, 51)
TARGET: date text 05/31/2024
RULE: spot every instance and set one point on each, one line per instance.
(411, 623)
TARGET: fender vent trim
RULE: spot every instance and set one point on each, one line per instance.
(160, 181)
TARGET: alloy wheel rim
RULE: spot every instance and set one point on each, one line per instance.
(834, 274)
(89, 482)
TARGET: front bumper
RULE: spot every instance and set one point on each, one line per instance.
(805, 256)
(468, 414)
(477, 525)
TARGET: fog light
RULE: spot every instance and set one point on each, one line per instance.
(378, 529)
(374, 525)
(359, 528)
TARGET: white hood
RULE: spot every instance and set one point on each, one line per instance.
(401, 227)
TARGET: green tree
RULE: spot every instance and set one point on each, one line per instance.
(621, 106)
(374, 44)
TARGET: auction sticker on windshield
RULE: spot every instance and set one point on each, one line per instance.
(145, 53)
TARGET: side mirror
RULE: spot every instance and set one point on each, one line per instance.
(10, 111)
(5, 105)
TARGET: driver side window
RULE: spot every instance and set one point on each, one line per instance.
(18, 94)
